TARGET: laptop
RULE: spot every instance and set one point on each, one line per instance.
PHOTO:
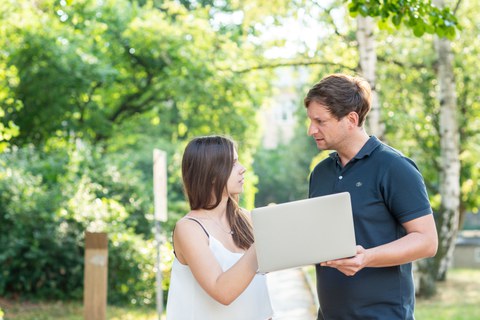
(303, 232)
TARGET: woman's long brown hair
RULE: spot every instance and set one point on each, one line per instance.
(206, 166)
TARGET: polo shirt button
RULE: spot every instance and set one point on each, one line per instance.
(340, 177)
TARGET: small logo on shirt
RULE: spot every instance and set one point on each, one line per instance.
(358, 184)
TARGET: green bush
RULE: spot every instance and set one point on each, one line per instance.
(38, 257)
(48, 199)
(131, 277)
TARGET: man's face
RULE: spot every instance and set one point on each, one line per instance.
(327, 131)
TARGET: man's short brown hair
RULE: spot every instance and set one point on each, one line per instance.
(342, 94)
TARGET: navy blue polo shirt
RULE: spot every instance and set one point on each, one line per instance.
(386, 190)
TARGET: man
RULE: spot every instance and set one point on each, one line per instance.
(393, 218)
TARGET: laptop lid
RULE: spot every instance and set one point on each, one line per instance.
(303, 232)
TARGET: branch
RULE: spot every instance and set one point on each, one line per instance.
(456, 7)
(316, 62)
(331, 20)
(292, 64)
(82, 106)
(401, 64)
(127, 106)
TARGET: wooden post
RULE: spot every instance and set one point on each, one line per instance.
(95, 276)
(160, 206)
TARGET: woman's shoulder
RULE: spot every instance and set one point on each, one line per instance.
(189, 236)
(190, 225)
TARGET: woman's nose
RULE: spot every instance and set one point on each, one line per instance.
(242, 169)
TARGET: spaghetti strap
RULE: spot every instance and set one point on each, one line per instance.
(193, 219)
(201, 225)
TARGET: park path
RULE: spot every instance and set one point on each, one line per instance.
(291, 295)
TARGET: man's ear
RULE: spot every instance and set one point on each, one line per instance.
(353, 118)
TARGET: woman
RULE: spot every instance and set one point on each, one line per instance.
(214, 270)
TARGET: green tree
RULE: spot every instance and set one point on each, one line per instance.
(95, 86)
(95, 66)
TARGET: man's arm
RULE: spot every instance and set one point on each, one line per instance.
(421, 241)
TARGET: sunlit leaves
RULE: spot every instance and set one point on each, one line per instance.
(98, 65)
(418, 15)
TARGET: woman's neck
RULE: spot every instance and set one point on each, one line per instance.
(220, 211)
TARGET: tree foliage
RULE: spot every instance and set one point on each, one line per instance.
(418, 15)
(48, 200)
(283, 171)
(95, 66)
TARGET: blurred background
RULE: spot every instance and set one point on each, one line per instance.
(88, 88)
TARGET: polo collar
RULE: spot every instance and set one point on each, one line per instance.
(367, 149)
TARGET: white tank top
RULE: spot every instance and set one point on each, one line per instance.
(188, 301)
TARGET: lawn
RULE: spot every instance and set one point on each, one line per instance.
(69, 311)
(457, 299)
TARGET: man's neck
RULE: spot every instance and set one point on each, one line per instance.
(352, 146)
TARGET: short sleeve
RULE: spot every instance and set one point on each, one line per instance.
(404, 190)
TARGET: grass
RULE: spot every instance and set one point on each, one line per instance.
(69, 311)
(457, 299)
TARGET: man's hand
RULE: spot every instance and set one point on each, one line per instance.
(349, 266)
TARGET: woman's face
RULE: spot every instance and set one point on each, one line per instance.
(235, 181)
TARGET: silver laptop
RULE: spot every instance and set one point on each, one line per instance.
(304, 232)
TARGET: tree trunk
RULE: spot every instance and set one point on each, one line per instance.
(448, 217)
(425, 276)
(368, 65)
